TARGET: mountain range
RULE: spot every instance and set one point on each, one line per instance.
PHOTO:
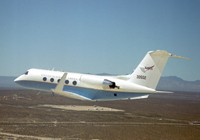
(170, 83)
(174, 83)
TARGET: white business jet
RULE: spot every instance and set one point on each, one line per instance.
(140, 84)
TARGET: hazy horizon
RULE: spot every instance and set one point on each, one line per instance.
(98, 36)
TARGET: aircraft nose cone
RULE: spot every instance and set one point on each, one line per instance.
(17, 79)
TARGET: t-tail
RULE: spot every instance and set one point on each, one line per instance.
(150, 69)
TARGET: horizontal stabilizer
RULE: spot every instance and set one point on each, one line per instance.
(165, 53)
(175, 56)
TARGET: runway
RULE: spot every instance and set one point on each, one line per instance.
(90, 123)
(81, 108)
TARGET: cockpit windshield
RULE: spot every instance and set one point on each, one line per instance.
(26, 73)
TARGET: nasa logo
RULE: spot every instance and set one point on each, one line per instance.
(146, 68)
(149, 68)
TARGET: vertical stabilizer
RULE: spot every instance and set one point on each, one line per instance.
(150, 69)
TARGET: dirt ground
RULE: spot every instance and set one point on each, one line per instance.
(25, 114)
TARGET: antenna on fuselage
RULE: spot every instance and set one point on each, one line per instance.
(53, 69)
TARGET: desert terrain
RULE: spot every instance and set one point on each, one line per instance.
(28, 114)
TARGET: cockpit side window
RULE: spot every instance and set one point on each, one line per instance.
(26, 73)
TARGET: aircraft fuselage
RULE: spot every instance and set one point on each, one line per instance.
(139, 84)
(90, 86)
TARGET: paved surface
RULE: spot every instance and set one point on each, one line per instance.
(81, 108)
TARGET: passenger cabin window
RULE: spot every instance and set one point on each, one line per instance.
(74, 82)
(44, 79)
(26, 73)
(67, 82)
(51, 79)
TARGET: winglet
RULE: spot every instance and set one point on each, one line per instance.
(164, 92)
(60, 84)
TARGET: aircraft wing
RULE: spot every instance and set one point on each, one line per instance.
(140, 97)
(69, 95)
(164, 92)
(59, 90)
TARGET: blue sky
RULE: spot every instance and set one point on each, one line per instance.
(96, 36)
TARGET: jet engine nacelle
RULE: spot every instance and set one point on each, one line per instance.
(97, 82)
